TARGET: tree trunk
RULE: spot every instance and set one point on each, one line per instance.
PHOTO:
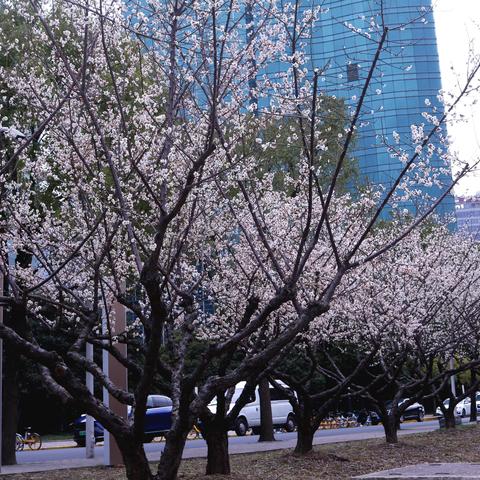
(304, 440)
(136, 463)
(15, 319)
(10, 405)
(172, 454)
(390, 426)
(450, 419)
(305, 430)
(266, 420)
(473, 396)
(218, 460)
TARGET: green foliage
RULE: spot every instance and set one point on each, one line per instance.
(298, 364)
(287, 139)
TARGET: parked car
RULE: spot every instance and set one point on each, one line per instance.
(416, 411)
(158, 420)
(462, 409)
(438, 411)
(249, 415)
(79, 426)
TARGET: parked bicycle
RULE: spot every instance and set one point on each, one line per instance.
(32, 439)
(194, 433)
(18, 443)
(340, 420)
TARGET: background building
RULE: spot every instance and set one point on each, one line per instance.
(406, 82)
(468, 215)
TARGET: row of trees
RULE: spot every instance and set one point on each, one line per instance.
(138, 167)
(394, 334)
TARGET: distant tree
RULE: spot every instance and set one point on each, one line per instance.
(417, 303)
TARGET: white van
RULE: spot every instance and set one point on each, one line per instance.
(249, 416)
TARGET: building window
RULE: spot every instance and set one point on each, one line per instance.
(352, 72)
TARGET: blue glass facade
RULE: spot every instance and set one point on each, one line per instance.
(343, 42)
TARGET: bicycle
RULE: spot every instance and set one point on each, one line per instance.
(32, 439)
(19, 443)
(194, 433)
(352, 422)
(329, 423)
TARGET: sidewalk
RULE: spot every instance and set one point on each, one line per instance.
(58, 444)
(50, 445)
(46, 466)
(200, 451)
(438, 471)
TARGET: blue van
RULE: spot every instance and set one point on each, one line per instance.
(158, 420)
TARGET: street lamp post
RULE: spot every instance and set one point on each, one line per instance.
(89, 421)
(452, 378)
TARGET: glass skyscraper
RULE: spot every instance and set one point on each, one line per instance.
(406, 82)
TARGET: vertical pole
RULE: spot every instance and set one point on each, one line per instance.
(452, 378)
(350, 408)
(118, 375)
(106, 396)
(89, 421)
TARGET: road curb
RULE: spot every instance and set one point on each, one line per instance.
(60, 447)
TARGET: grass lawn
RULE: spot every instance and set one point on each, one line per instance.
(338, 461)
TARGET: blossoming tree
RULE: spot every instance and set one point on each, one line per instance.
(144, 188)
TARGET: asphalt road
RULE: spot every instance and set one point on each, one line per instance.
(61, 454)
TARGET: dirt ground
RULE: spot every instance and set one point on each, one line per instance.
(338, 461)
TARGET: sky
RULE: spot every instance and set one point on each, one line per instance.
(458, 27)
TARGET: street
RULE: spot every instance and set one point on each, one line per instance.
(248, 443)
